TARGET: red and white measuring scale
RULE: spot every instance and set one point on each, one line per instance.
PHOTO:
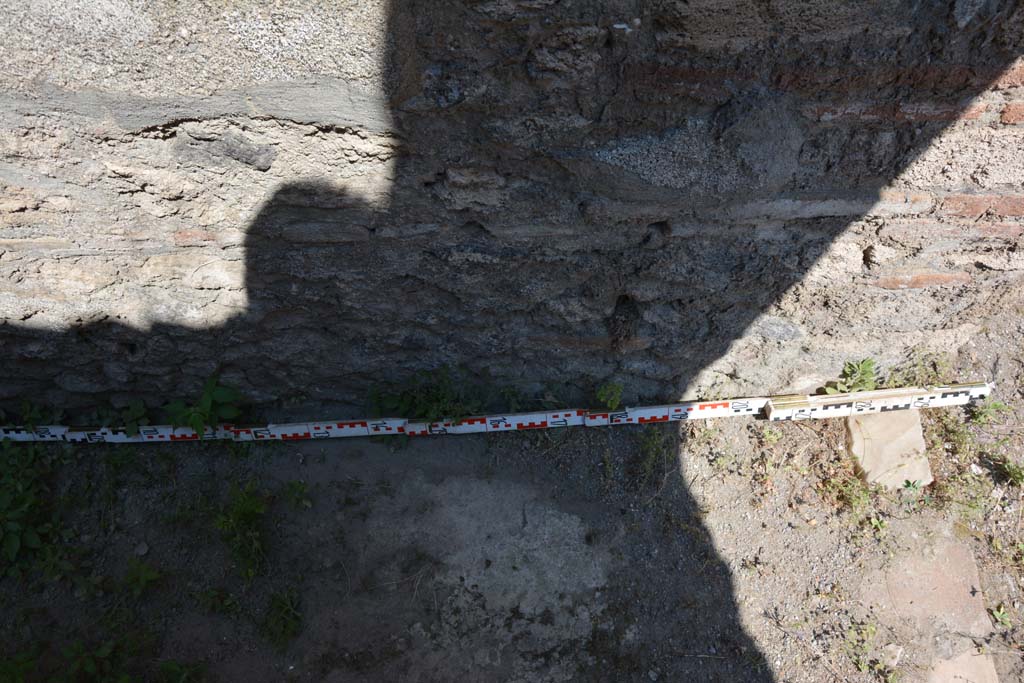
(774, 408)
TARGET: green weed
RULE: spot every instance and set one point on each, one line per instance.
(988, 412)
(1010, 471)
(1001, 616)
(856, 376)
(32, 415)
(216, 404)
(101, 415)
(240, 523)
(878, 526)
(103, 663)
(297, 493)
(28, 523)
(218, 601)
(139, 577)
(969, 494)
(283, 619)
(244, 449)
(924, 369)
(1018, 554)
(512, 399)
(133, 416)
(19, 668)
(430, 396)
(178, 672)
(608, 471)
(859, 647)
(609, 395)
(55, 562)
(850, 492)
(952, 437)
(655, 452)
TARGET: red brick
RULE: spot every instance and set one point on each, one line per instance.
(975, 205)
(1008, 230)
(919, 232)
(924, 111)
(1011, 78)
(870, 78)
(902, 202)
(966, 205)
(1008, 205)
(939, 79)
(914, 111)
(1013, 113)
(662, 83)
(191, 237)
(922, 278)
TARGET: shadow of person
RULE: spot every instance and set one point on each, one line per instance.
(577, 198)
(573, 201)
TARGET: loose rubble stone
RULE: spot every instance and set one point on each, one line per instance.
(889, 448)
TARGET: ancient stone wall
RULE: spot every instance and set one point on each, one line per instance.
(713, 197)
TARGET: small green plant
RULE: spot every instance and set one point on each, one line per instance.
(178, 672)
(32, 416)
(102, 663)
(103, 415)
(858, 645)
(856, 376)
(511, 399)
(133, 416)
(923, 369)
(430, 396)
(55, 562)
(1001, 616)
(139, 577)
(216, 404)
(608, 472)
(952, 437)
(878, 525)
(988, 412)
(849, 491)
(297, 493)
(240, 523)
(27, 522)
(610, 395)
(912, 487)
(1011, 471)
(283, 619)
(218, 601)
(771, 436)
(655, 451)
(19, 668)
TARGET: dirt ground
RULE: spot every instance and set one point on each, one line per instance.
(729, 550)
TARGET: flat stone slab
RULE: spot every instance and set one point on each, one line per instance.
(889, 448)
(936, 587)
(929, 598)
(968, 667)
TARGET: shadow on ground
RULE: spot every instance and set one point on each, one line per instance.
(548, 257)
